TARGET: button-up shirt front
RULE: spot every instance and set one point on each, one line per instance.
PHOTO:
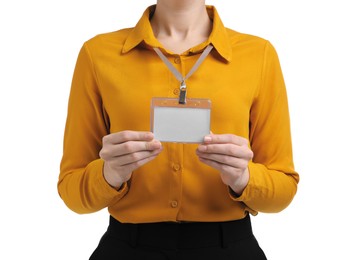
(116, 76)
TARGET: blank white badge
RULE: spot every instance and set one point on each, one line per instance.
(180, 123)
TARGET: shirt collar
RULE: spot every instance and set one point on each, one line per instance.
(143, 32)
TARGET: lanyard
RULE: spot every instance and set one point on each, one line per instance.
(178, 75)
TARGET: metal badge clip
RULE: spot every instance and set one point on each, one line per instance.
(183, 93)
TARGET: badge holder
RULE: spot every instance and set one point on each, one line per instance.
(174, 122)
(181, 120)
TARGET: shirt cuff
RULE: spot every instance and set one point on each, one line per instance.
(250, 189)
(108, 192)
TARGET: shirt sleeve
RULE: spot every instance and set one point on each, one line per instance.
(81, 184)
(273, 180)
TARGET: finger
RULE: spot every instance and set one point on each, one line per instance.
(135, 165)
(226, 160)
(223, 168)
(226, 149)
(134, 157)
(135, 146)
(125, 136)
(115, 150)
(225, 138)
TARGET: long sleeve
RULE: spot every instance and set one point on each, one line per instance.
(81, 183)
(116, 76)
(273, 180)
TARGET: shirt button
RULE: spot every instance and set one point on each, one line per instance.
(177, 60)
(176, 167)
(176, 91)
(174, 204)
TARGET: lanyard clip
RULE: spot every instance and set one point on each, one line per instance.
(182, 93)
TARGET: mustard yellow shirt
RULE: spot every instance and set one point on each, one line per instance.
(116, 76)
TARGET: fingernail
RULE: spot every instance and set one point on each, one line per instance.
(201, 148)
(207, 139)
(156, 144)
(149, 135)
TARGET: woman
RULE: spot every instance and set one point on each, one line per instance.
(177, 200)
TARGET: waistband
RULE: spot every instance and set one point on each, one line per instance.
(171, 235)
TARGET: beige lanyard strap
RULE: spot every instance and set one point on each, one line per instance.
(178, 75)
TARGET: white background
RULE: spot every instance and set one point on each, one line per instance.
(39, 43)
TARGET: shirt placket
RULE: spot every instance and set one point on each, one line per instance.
(176, 153)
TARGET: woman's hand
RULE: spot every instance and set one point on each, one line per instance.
(124, 152)
(229, 154)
